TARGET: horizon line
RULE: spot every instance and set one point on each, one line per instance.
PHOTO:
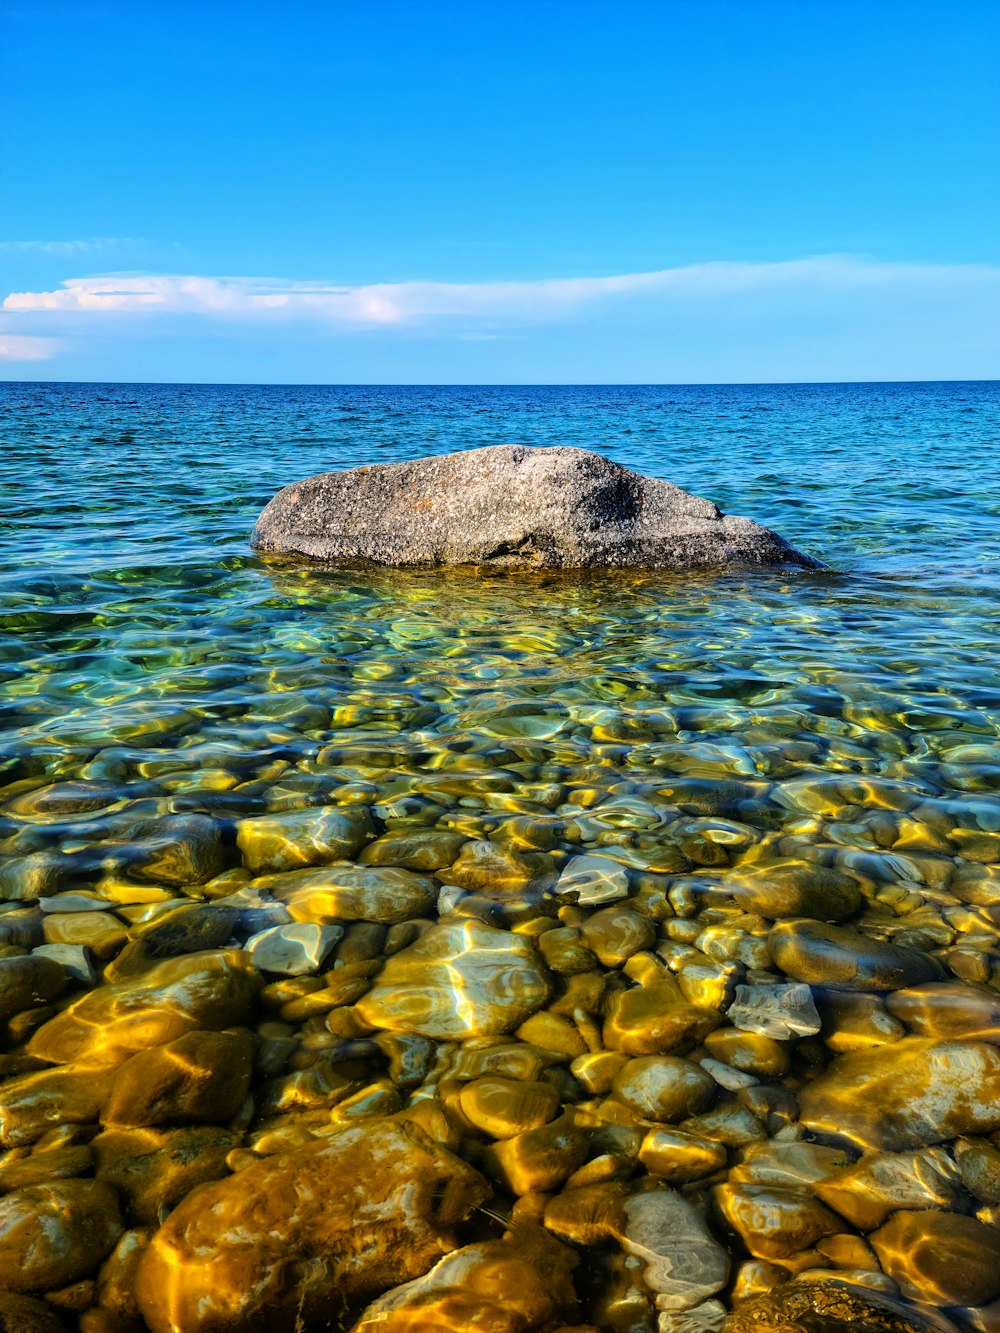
(486, 384)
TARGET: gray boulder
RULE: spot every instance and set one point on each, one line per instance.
(511, 506)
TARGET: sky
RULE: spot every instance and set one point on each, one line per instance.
(533, 191)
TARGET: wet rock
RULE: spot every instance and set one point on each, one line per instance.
(855, 1021)
(426, 851)
(750, 1052)
(564, 951)
(503, 1107)
(654, 1019)
(790, 1163)
(116, 1281)
(34, 1103)
(105, 1026)
(27, 982)
(940, 1258)
(616, 933)
(297, 838)
(911, 1094)
(979, 1164)
(153, 1169)
(775, 1223)
(460, 979)
(512, 506)
(299, 1234)
(491, 869)
(24, 1314)
(780, 1012)
(100, 932)
(180, 850)
(42, 1167)
(663, 1088)
(74, 959)
(796, 889)
(679, 1157)
(540, 1160)
(829, 1307)
(948, 1009)
(64, 798)
(882, 1183)
(683, 1263)
(52, 1235)
(592, 880)
(499, 1286)
(353, 893)
(294, 950)
(838, 956)
(200, 1077)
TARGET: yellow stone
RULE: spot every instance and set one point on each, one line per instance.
(503, 1107)
(679, 1157)
(101, 932)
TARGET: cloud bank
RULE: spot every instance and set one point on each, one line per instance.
(406, 304)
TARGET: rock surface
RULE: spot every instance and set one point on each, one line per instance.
(511, 506)
(299, 1234)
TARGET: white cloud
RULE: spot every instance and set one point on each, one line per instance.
(18, 347)
(380, 305)
(67, 249)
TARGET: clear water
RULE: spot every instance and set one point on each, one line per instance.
(137, 623)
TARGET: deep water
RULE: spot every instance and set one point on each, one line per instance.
(848, 718)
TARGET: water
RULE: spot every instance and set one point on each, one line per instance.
(848, 718)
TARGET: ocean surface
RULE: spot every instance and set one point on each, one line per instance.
(848, 718)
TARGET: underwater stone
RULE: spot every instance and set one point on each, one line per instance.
(459, 979)
(882, 1183)
(830, 1306)
(298, 838)
(202, 1076)
(593, 880)
(948, 1009)
(940, 1258)
(796, 889)
(663, 1087)
(55, 1234)
(838, 956)
(347, 892)
(351, 1214)
(498, 1286)
(513, 506)
(153, 1169)
(539, 1160)
(28, 981)
(179, 850)
(775, 1223)
(683, 1263)
(505, 1107)
(24, 1314)
(779, 1012)
(293, 950)
(677, 1156)
(34, 1103)
(73, 957)
(911, 1094)
(105, 1026)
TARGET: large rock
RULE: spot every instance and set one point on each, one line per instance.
(297, 1236)
(510, 505)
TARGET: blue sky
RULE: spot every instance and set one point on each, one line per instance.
(533, 191)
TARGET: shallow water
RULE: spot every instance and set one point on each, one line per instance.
(701, 734)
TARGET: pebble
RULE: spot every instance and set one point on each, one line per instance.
(208, 990)
(682, 1262)
(881, 1183)
(654, 1019)
(677, 1157)
(28, 982)
(55, 1234)
(772, 1222)
(614, 934)
(780, 1012)
(74, 959)
(31, 1104)
(178, 850)
(947, 1009)
(940, 1258)
(783, 889)
(911, 1094)
(459, 979)
(293, 950)
(24, 1314)
(433, 849)
(499, 1286)
(539, 1160)
(293, 839)
(592, 880)
(352, 893)
(152, 1169)
(750, 1052)
(100, 932)
(830, 1307)
(200, 1077)
(663, 1088)
(300, 1233)
(503, 1107)
(824, 955)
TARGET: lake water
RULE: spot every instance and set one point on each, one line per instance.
(751, 756)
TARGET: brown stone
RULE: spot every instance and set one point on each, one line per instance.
(153, 1169)
(940, 1258)
(346, 892)
(299, 1234)
(795, 889)
(651, 1020)
(663, 1088)
(52, 1235)
(838, 956)
(32, 1104)
(503, 1107)
(946, 1009)
(28, 981)
(775, 1223)
(201, 1077)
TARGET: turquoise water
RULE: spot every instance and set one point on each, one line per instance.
(850, 716)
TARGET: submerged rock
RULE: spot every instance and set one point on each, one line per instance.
(511, 506)
(298, 1235)
(830, 1307)
(908, 1095)
(460, 979)
(940, 1258)
(499, 1286)
(52, 1235)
